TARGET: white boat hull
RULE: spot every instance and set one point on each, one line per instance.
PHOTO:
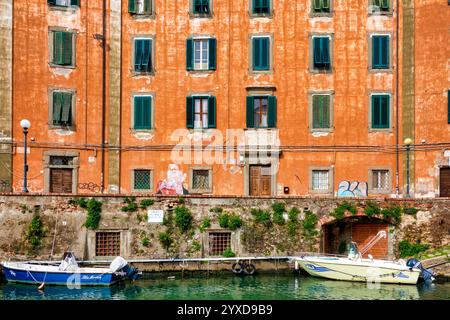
(363, 270)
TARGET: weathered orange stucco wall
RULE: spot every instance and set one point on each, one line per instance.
(231, 24)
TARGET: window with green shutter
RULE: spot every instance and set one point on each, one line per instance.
(261, 112)
(260, 7)
(381, 5)
(201, 54)
(380, 52)
(261, 53)
(64, 3)
(321, 53)
(143, 55)
(140, 7)
(201, 7)
(321, 6)
(201, 112)
(321, 112)
(142, 112)
(380, 111)
(63, 51)
(62, 109)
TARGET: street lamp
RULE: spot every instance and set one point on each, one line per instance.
(25, 124)
(408, 142)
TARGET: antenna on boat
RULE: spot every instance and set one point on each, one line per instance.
(42, 286)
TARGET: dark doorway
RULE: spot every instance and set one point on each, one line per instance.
(444, 185)
(260, 180)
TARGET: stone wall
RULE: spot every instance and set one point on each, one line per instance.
(140, 240)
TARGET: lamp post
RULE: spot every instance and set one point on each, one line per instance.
(408, 142)
(25, 124)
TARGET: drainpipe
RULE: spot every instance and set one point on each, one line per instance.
(397, 178)
(102, 178)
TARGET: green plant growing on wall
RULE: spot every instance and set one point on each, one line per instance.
(309, 224)
(81, 202)
(183, 218)
(279, 210)
(230, 221)
(292, 224)
(145, 203)
(342, 208)
(393, 213)
(130, 205)
(372, 209)
(165, 239)
(217, 210)
(142, 218)
(407, 249)
(145, 240)
(94, 209)
(206, 223)
(410, 211)
(228, 253)
(35, 232)
(181, 200)
(261, 216)
(196, 246)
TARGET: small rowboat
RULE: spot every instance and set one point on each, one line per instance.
(68, 273)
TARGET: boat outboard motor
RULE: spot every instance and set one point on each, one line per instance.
(119, 264)
(426, 274)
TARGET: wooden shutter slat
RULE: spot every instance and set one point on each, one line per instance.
(132, 6)
(190, 54)
(212, 54)
(212, 112)
(57, 107)
(189, 112)
(146, 112)
(137, 113)
(67, 107)
(250, 112)
(67, 48)
(265, 53)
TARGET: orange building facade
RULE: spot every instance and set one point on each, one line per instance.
(238, 98)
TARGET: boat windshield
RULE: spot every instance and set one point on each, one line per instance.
(353, 252)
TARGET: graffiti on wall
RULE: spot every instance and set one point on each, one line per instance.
(352, 189)
(173, 184)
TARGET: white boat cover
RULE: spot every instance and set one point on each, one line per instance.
(117, 264)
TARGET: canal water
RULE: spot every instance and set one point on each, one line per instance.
(259, 287)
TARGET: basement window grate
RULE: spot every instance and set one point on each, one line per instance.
(107, 244)
(219, 242)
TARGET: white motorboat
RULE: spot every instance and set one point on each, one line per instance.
(355, 268)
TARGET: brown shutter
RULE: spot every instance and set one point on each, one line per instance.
(61, 180)
(445, 182)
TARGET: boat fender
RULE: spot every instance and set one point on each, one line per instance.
(237, 268)
(249, 269)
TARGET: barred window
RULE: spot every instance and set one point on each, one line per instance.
(200, 179)
(107, 244)
(380, 180)
(142, 180)
(219, 242)
(320, 179)
(61, 161)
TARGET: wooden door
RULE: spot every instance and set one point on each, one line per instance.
(61, 180)
(445, 182)
(260, 181)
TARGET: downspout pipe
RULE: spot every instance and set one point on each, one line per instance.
(102, 178)
(397, 139)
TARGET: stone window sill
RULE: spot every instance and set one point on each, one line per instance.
(52, 65)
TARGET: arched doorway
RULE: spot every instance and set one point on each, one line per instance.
(339, 233)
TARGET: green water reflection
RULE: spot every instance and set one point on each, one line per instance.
(270, 287)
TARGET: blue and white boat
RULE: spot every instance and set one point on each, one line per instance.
(68, 273)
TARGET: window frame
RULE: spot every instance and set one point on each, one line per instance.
(207, 236)
(254, 15)
(314, 14)
(201, 98)
(69, 7)
(372, 189)
(132, 180)
(135, 73)
(391, 110)
(193, 190)
(390, 67)
(252, 70)
(197, 15)
(312, 69)
(389, 12)
(201, 41)
(104, 232)
(151, 95)
(330, 189)
(51, 31)
(53, 126)
(207, 37)
(311, 95)
(139, 16)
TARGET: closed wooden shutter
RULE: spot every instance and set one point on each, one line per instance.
(212, 112)
(272, 115)
(445, 182)
(189, 112)
(260, 181)
(67, 48)
(61, 180)
(190, 54)
(261, 53)
(132, 6)
(250, 112)
(212, 54)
